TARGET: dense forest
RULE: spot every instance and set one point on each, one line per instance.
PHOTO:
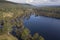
(11, 22)
(49, 11)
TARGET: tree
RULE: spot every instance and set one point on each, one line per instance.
(25, 34)
(35, 36)
(41, 38)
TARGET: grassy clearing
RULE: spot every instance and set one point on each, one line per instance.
(7, 37)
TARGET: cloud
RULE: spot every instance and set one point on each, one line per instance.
(46, 2)
(55, 0)
(38, 2)
(17, 1)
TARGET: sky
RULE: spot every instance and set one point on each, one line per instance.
(38, 2)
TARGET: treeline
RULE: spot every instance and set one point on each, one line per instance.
(49, 12)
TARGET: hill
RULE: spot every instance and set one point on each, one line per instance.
(12, 4)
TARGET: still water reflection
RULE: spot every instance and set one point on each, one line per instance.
(47, 27)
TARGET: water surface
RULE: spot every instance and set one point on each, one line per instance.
(49, 28)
